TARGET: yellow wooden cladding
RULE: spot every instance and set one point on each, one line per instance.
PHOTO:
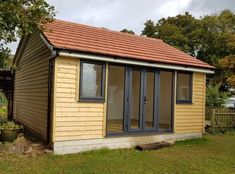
(31, 86)
(190, 117)
(74, 120)
(71, 119)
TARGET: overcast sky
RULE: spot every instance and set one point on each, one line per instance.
(131, 14)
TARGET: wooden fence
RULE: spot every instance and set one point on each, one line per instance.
(222, 119)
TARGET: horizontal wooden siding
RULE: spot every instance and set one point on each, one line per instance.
(190, 117)
(31, 86)
(74, 120)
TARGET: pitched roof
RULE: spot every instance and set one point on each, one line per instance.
(78, 37)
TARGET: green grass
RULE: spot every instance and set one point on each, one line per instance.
(211, 154)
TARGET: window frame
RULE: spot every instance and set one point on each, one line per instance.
(101, 98)
(190, 101)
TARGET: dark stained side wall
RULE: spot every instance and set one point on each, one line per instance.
(31, 86)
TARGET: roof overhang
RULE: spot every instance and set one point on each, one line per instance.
(110, 59)
(23, 43)
(134, 62)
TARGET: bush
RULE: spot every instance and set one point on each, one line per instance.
(3, 99)
(2, 120)
(10, 125)
(214, 97)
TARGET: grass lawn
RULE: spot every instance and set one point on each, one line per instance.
(211, 154)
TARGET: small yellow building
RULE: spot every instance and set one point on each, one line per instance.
(83, 88)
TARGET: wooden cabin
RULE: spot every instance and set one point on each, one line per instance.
(83, 88)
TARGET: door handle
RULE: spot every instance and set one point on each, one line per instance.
(145, 100)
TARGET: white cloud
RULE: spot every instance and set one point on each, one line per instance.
(116, 14)
(207, 7)
(174, 7)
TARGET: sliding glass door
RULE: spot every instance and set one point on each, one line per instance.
(139, 99)
(141, 106)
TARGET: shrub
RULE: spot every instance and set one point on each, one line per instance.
(2, 120)
(3, 99)
(214, 97)
(10, 125)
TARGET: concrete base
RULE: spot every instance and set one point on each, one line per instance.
(66, 147)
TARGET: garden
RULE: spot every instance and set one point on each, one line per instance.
(27, 154)
(9, 130)
(210, 154)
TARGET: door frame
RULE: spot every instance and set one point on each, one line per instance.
(156, 97)
(142, 93)
(156, 112)
(173, 92)
(128, 103)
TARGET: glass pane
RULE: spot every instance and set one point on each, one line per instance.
(149, 100)
(165, 100)
(115, 98)
(135, 99)
(183, 87)
(91, 80)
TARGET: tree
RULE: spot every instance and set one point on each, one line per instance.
(209, 38)
(214, 97)
(228, 65)
(127, 31)
(150, 29)
(5, 60)
(18, 18)
(217, 33)
(180, 31)
(218, 46)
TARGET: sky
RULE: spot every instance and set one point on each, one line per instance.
(131, 14)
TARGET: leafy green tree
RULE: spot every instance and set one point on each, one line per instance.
(209, 38)
(217, 37)
(218, 46)
(127, 31)
(214, 97)
(18, 18)
(5, 61)
(180, 31)
(150, 29)
(227, 64)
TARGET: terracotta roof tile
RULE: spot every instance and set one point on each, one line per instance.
(78, 37)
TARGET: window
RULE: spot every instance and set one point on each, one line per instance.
(92, 77)
(184, 87)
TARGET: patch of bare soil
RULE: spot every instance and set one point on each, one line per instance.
(26, 144)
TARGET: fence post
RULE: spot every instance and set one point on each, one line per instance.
(213, 121)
